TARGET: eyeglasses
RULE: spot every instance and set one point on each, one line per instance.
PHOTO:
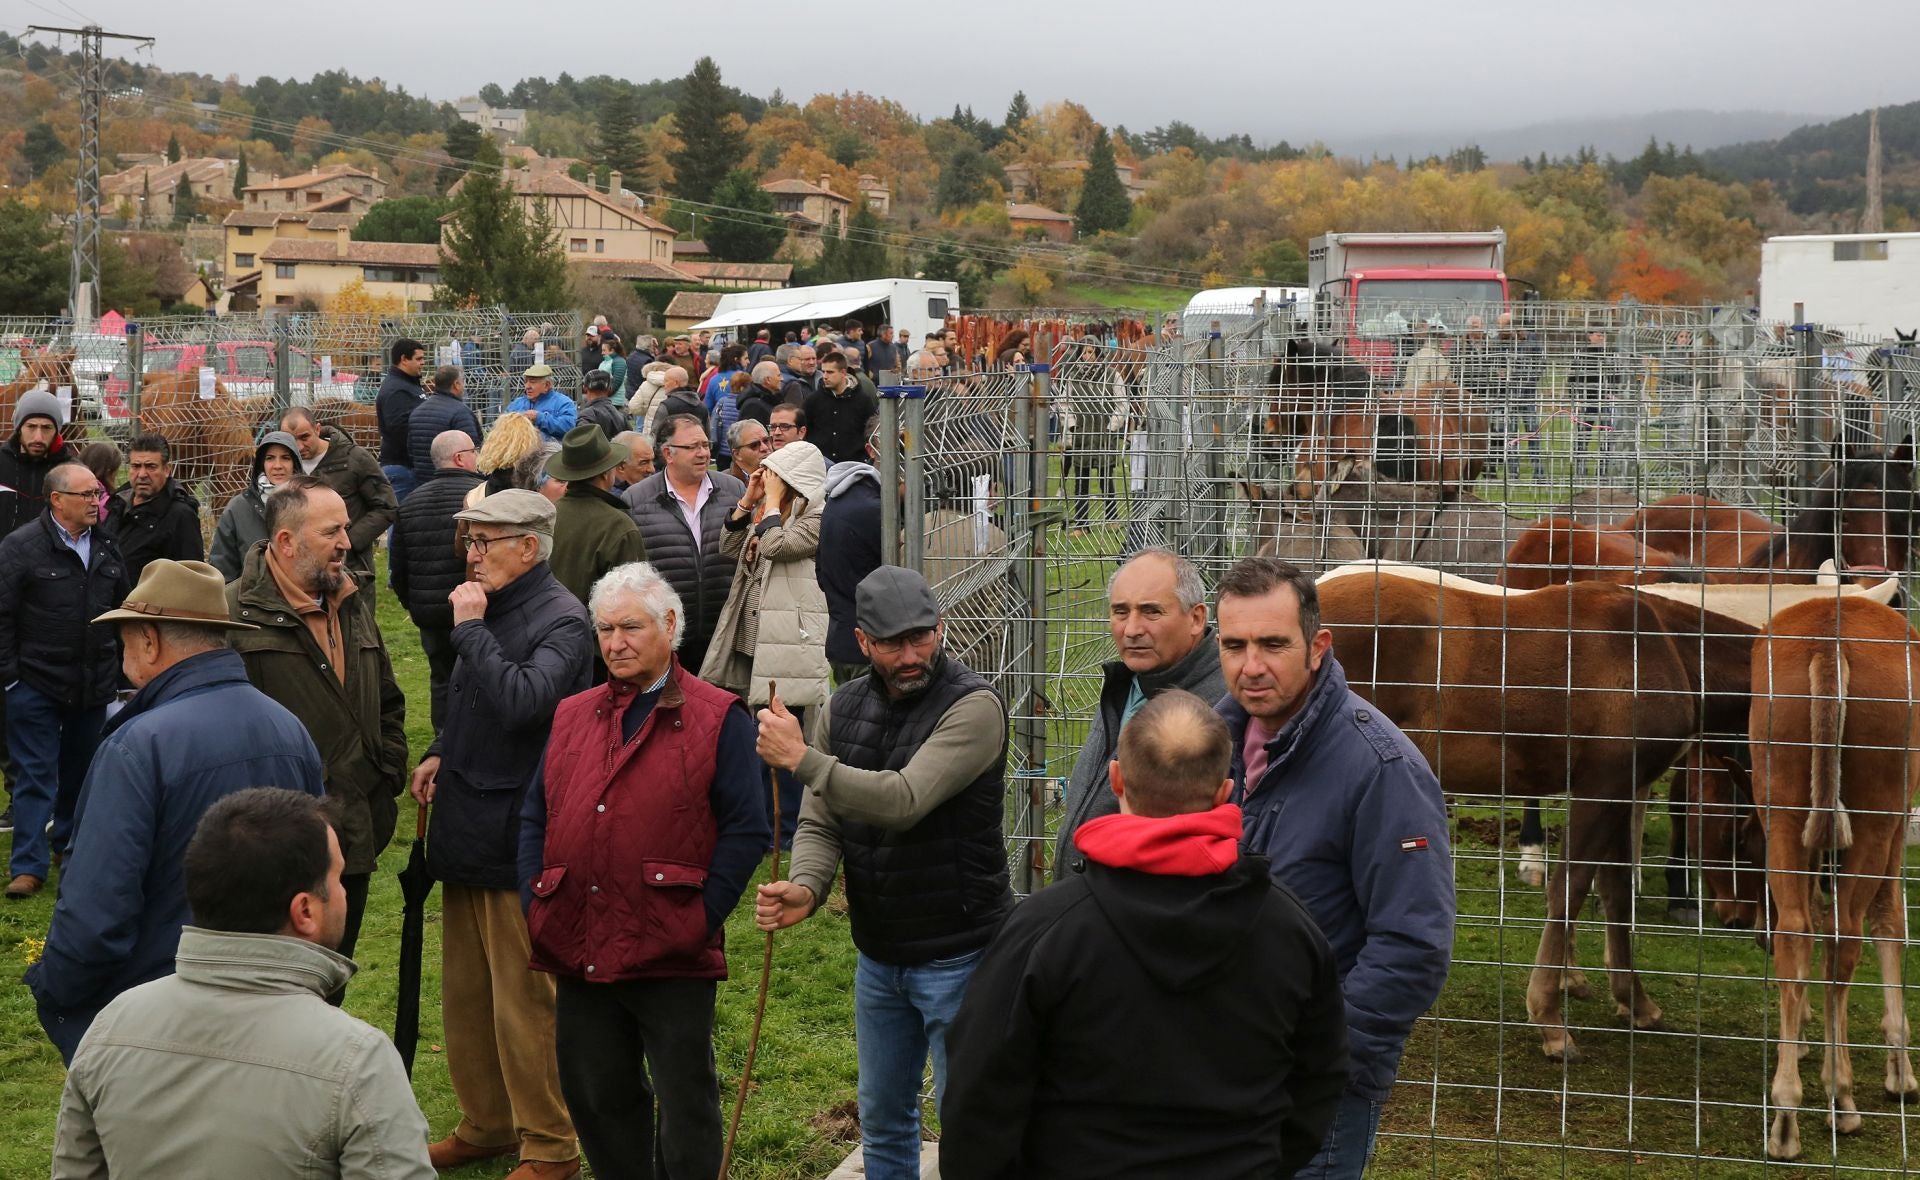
(480, 544)
(782, 428)
(920, 638)
(96, 495)
(758, 444)
(696, 447)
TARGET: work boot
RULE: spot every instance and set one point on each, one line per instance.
(546, 1170)
(455, 1152)
(23, 887)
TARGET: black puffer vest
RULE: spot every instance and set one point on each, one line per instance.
(939, 888)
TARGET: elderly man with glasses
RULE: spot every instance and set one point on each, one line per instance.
(750, 444)
(522, 644)
(57, 573)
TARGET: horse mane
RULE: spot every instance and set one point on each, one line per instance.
(1819, 520)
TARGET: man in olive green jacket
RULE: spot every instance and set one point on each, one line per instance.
(592, 530)
(234, 1066)
(318, 652)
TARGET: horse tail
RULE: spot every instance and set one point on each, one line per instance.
(1397, 447)
(1828, 825)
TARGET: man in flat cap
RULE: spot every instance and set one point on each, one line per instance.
(194, 733)
(592, 530)
(911, 798)
(551, 412)
(522, 644)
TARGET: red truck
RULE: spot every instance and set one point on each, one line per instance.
(1372, 292)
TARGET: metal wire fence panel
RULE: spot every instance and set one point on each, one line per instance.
(1615, 515)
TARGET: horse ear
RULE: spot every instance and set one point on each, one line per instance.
(1902, 455)
(1906, 337)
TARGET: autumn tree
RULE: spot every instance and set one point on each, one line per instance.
(745, 228)
(1018, 112)
(355, 299)
(1103, 206)
(713, 137)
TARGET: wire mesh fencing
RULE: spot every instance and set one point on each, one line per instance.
(1575, 552)
(212, 385)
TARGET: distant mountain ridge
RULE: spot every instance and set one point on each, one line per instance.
(1821, 168)
(1623, 136)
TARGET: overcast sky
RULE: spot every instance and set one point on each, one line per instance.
(1273, 70)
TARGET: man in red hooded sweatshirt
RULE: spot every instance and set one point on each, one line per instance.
(1165, 1011)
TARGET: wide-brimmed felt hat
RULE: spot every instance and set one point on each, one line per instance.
(584, 453)
(178, 592)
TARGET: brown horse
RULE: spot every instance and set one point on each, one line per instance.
(1699, 531)
(1589, 689)
(1556, 551)
(1834, 773)
(54, 370)
(211, 438)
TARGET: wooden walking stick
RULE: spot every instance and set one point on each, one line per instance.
(766, 973)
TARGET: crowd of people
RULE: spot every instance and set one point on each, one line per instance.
(640, 602)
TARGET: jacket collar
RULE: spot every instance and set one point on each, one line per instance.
(1329, 689)
(1189, 668)
(260, 963)
(261, 590)
(510, 596)
(202, 670)
(582, 490)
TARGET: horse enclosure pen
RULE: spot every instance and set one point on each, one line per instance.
(1553, 543)
(211, 385)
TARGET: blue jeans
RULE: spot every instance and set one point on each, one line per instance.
(899, 1013)
(1349, 1142)
(53, 745)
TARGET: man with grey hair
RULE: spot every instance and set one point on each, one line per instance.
(1157, 614)
(637, 465)
(636, 988)
(747, 441)
(922, 367)
(766, 392)
(802, 369)
(522, 645)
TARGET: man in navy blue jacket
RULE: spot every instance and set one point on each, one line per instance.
(1352, 819)
(194, 733)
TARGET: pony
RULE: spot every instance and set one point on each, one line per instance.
(1556, 550)
(1580, 689)
(1834, 773)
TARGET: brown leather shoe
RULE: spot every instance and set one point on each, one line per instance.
(454, 1152)
(545, 1170)
(23, 887)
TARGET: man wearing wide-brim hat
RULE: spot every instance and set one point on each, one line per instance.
(194, 733)
(551, 412)
(592, 529)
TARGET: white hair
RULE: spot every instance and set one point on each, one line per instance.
(738, 429)
(1188, 589)
(641, 580)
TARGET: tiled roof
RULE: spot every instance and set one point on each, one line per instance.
(692, 305)
(644, 272)
(305, 179)
(1034, 213)
(164, 178)
(528, 183)
(694, 248)
(262, 218)
(802, 188)
(763, 272)
(351, 253)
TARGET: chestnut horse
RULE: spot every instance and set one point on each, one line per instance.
(1589, 689)
(1555, 551)
(54, 370)
(1834, 772)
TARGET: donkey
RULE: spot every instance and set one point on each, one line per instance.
(1834, 773)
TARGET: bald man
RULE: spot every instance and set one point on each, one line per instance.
(1051, 1072)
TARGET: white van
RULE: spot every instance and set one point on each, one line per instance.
(1237, 308)
(919, 306)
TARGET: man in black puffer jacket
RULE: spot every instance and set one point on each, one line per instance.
(425, 558)
(56, 574)
(154, 515)
(400, 394)
(445, 409)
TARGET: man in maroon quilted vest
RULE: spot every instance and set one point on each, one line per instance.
(639, 834)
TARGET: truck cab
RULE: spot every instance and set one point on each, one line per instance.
(1373, 293)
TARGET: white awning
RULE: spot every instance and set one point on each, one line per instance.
(827, 309)
(749, 315)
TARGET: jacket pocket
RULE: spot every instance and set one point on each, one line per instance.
(677, 907)
(548, 880)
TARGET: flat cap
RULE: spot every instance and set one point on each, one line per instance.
(892, 601)
(538, 371)
(514, 507)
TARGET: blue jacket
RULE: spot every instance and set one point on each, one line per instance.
(440, 412)
(557, 413)
(195, 734)
(1355, 825)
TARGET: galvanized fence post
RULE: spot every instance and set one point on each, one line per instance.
(889, 462)
(1023, 668)
(282, 366)
(915, 555)
(1209, 433)
(1031, 723)
(136, 358)
(1806, 378)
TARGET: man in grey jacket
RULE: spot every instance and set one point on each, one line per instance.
(188, 1075)
(1157, 611)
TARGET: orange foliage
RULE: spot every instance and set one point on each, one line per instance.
(1638, 274)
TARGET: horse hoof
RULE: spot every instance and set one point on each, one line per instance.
(1783, 1151)
(1848, 1122)
(1568, 1054)
(1739, 924)
(1903, 1096)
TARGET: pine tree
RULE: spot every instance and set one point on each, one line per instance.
(463, 146)
(617, 143)
(964, 180)
(713, 142)
(746, 229)
(186, 206)
(492, 253)
(1103, 199)
(240, 177)
(173, 149)
(1018, 112)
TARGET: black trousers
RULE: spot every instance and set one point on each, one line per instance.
(438, 646)
(355, 885)
(622, 1046)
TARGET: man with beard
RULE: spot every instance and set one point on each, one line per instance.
(34, 449)
(318, 651)
(911, 798)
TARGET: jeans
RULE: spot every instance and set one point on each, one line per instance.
(52, 745)
(899, 1014)
(1349, 1143)
(628, 1050)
